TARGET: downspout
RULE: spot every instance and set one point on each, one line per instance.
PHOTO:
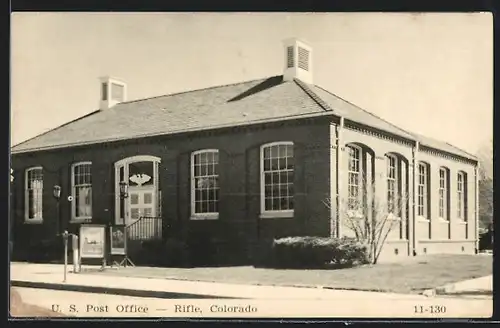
(476, 207)
(413, 221)
(339, 179)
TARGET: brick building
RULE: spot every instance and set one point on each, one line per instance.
(232, 165)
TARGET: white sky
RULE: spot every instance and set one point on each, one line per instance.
(428, 73)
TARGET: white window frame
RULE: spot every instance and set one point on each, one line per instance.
(425, 195)
(273, 213)
(396, 195)
(75, 218)
(359, 184)
(27, 219)
(194, 214)
(461, 196)
(443, 194)
(124, 163)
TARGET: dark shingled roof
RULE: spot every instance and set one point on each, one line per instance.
(262, 100)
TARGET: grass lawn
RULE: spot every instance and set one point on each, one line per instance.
(412, 275)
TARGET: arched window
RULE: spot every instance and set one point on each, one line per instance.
(205, 184)
(462, 196)
(141, 174)
(277, 179)
(444, 193)
(355, 177)
(81, 190)
(423, 191)
(33, 194)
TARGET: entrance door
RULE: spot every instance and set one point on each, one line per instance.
(141, 202)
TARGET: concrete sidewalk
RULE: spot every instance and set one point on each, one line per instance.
(50, 276)
(473, 288)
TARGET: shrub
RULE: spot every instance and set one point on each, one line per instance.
(317, 252)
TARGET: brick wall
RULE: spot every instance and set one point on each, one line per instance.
(238, 226)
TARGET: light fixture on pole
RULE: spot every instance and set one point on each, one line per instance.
(123, 195)
(123, 189)
(57, 192)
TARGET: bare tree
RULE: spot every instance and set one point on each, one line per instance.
(371, 217)
(485, 156)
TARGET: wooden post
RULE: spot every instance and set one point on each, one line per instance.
(74, 245)
(65, 237)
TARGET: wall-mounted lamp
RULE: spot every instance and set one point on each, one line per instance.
(123, 189)
(57, 192)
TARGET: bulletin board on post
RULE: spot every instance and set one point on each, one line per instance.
(118, 246)
(118, 240)
(92, 239)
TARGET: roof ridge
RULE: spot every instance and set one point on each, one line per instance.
(312, 94)
(196, 90)
(137, 100)
(449, 144)
(57, 127)
(414, 134)
(366, 111)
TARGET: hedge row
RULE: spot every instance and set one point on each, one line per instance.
(316, 252)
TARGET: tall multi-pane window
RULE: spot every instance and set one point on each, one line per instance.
(81, 186)
(34, 194)
(277, 174)
(422, 195)
(443, 193)
(354, 178)
(461, 196)
(205, 183)
(393, 184)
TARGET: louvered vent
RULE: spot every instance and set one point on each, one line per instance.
(289, 57)
(298, 61)
(117, 92)
(303, 59)
(104, 91)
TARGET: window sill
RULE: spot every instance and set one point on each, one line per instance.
(33, 221)
(445, 240)
(276, 215)
(444, 221)
(81, 220)
(208, 216)
(422, 219)
(462, 222)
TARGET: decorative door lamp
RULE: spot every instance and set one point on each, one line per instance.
(123, 189)
(57, 192)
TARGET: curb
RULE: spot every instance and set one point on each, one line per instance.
(443, 290)
(111, 290)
